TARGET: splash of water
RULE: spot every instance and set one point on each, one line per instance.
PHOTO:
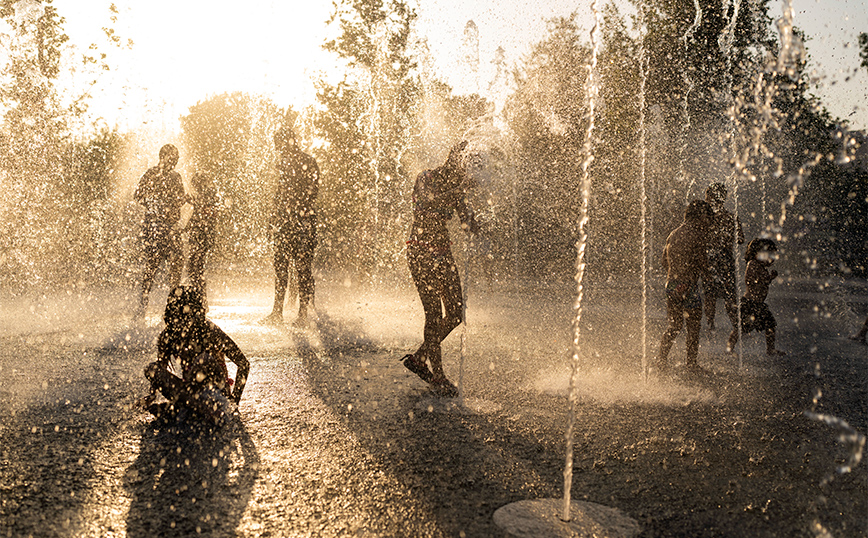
(593, 91)
(724, 41)
(685, 102)
(471, 56)
(849, 437)
(643, 203)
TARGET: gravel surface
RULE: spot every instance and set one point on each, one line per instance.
(335, 438)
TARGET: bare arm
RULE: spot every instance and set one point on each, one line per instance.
(233, 353)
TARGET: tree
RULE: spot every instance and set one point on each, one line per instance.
(370, 119)
(34, 134)
(54, 194)
(229, 138)
(547, 116)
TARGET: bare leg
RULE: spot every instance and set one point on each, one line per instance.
(710, 304)
(676, 321)
(733, 340)
(150, 272)
(304, 265)
(453, 299)
(281, 277)
(176, 262)
(770, 344)
(694, 323)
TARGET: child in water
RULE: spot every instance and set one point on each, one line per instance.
(202, 349)
(437, 195)
(755, 313)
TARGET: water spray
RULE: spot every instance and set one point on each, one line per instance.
(685, 103)
(643, 202)
(581, 244)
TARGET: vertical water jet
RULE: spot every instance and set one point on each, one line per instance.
(581, 244)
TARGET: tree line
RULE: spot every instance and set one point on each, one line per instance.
(687, 97)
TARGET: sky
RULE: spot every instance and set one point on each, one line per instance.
(185, 51)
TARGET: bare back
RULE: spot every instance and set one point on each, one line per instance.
(684, 256)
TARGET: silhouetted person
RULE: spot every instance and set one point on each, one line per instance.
(724, 232)
(202, 229)
(755, 313)
(437, 195)
(202, 350)
(161, 192)
(685, 261)
(293, 224)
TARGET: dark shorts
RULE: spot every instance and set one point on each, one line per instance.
(721, 266)
(160, 241)
(296, 239)
(756, 316)
(683, 295)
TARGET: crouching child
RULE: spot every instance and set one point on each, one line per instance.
(202, 349)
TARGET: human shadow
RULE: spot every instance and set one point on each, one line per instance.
(457, 453)
(190, 478)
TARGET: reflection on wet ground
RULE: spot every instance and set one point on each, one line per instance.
(335, 438)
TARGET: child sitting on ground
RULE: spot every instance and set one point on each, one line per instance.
(755, 313)
(202, 349)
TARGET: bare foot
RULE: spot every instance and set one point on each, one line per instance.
(444, 388)
(275, 318)
(146, 401)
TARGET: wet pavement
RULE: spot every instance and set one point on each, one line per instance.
(334, 437)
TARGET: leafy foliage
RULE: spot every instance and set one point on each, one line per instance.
(229, 138)
(370, 118)
(547, 115)
(55, 213)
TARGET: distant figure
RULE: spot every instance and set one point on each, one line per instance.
(860, 336)
(161, 192)
(202, 228)
(437, 195)
(202, 349)
(293, 224)
(724, 233)
(755, 313)
(685, 261)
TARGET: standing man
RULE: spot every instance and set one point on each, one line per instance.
(685, 261)
(162, 194)
(293, 224)
(724, 232)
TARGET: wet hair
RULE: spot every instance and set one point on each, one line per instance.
(184, 302)
(169, 150)
(758, 245)
(696, 210)
(716, 191)
(283, 135)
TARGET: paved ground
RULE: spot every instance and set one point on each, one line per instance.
(335, 438)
